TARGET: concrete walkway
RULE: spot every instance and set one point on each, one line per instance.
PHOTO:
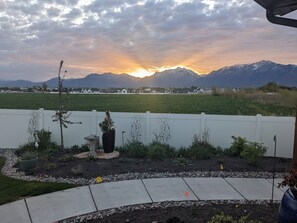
(59, 205)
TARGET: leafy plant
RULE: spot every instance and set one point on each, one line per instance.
(67, 157)
(107, 123)
(90, 158)
(77, 170)
(25, 148)
(183, 151)
(182, 161)
(200, 148)
(44, 139)
(50, 166)
(253, 152)
(157, 150)
(78, 149)
(28, 155)
(290, 180)
(237, 146)
(222, 218)
(136, 149)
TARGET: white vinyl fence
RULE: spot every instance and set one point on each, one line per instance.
(14, 128)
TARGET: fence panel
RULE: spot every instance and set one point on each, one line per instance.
(14, 125)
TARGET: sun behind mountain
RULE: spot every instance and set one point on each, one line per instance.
(142, 72)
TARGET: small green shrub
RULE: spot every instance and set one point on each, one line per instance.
(199, 152)
(237, 146)
(90, 158)
(28, 155)
(77, 170)
(136, 149)
(50, 166)
(67, 157)
(253, 152)
(222, 218)
(157, 150)
(28, 147)
(182, 161)
(44, 139)
(200, 149)
(79, 149)
(182, 152)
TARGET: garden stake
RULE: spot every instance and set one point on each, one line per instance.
(273, 172)
(123, 132)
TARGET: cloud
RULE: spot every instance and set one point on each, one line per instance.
(122, 36)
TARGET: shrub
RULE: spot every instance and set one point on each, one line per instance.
(237, 146)
(200, 149)
(157, 150)
(199, 152)
(136, 149)
(67, 157)
(182, 161)
(90, 158)
(50, 166)
(222, 218)
(44, 139)
(77, 170)
(28, 155)
(253, 152)
(182, 152)
(290, 180)
(78, 149)
(28, 147)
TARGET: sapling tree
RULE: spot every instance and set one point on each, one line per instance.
(62, 114)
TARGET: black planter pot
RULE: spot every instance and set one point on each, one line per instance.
(288, 207)
(108, 139)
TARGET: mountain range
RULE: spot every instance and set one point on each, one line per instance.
(238, 76)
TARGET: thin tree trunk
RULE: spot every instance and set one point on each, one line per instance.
(295, 143)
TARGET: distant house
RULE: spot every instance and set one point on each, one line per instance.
(124, 91)
(199, 90)
(89, 91)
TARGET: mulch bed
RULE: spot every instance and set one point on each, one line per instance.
(122, 164)
(198, 214)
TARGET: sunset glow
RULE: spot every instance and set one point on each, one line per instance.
(136, 37)
(141, 73)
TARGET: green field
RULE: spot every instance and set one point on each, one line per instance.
(174, 103)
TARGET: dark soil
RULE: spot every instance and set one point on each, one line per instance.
(99, 167)
(198, 214)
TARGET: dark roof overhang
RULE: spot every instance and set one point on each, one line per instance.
(277, 8)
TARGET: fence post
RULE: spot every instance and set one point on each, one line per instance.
(203, 119)
(147, 128)
(94, 130)
(258, 127)
(41, 110)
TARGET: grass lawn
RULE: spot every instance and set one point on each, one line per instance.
(183, 104)
(12, 189)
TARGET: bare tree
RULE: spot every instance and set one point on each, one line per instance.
(62, 114)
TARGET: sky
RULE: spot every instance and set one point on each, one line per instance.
(137, 37)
